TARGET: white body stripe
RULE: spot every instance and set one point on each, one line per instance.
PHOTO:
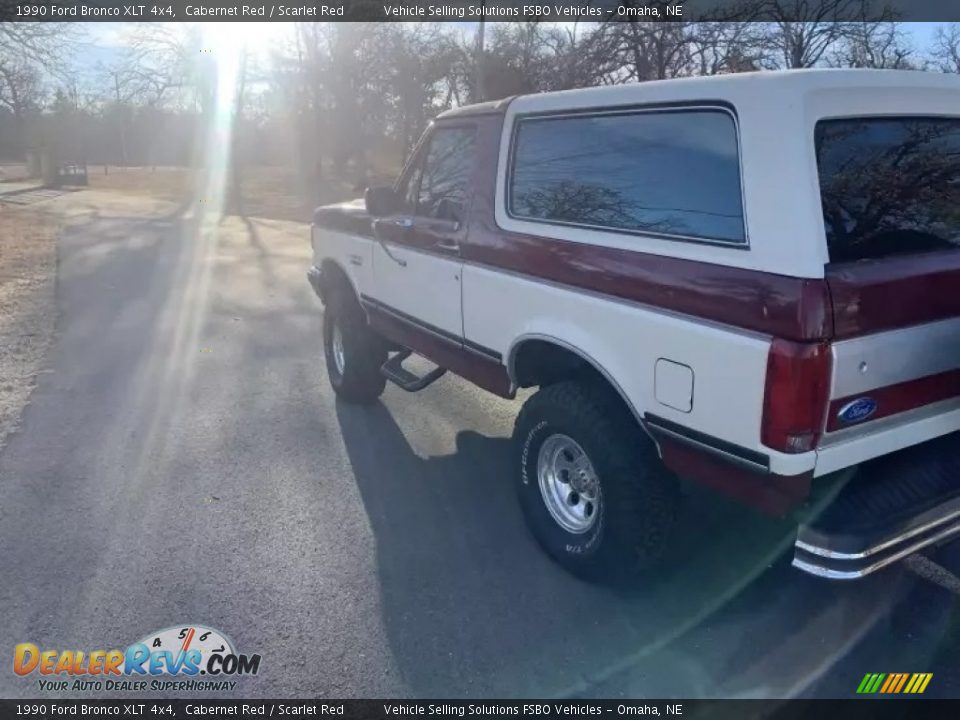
(426, 288)
(893, 357)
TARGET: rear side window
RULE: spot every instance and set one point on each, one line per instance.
(673, 173)
(889, 186)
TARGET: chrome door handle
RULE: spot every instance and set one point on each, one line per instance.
(399, 261)
(402, 222)
(451, 246)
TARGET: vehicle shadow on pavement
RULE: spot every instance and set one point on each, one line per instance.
(452, 554)
(103, 361)
(472, 607)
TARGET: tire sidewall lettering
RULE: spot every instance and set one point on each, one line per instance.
(525, 456)
(569, 543)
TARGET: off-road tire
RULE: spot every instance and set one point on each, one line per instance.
(364, 352)
(639, 497)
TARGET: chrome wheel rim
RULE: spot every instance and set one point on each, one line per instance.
(568, 484)
(339, 357)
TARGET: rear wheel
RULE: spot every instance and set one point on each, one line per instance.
(354, 353)
(591, 486)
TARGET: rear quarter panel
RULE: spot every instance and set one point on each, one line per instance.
(626, 340)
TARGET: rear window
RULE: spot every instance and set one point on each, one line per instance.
(672, 173)
(889, 186)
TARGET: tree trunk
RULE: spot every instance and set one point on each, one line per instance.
(481, 79)
(236, 188)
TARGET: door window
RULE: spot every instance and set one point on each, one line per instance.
(438, 186)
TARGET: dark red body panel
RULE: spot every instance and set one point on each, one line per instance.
(877, 295)
(768, 492)
(482, 371)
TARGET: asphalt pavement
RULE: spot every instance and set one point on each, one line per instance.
(183, 460)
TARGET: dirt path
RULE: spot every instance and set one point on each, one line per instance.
(29, 227)
(28, 261)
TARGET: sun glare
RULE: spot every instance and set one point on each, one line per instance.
(254, 37)
(232, 47)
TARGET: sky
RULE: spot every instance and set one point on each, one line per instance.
(106, 38)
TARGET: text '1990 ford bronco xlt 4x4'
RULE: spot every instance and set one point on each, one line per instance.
(749, 281)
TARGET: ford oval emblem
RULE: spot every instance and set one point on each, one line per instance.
(857, 410)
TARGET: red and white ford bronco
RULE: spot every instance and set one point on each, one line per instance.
(749, 281)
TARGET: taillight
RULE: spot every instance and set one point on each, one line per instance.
(796, 395)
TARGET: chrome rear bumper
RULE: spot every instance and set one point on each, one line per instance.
(890, 508)
(847, 558)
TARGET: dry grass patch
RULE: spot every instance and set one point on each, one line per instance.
(275, 193)
(27, 305)
(13, 172)
(164, 183)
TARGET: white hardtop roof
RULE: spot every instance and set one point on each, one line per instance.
(777, 113)
(738, 87)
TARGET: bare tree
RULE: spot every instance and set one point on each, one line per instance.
(481, 53)
(356, 96)
(579, 55)
(649, 50)
(302, 71)
(118, 79)
(335, 78)
(515, 61)
(236, 154)
(158, 64)
(880, 45)
(419, 55)
(805, 31)
(45, 45)
(727, 47)
(28, 52)
(150, 71)
(21, 89)
(946, 48)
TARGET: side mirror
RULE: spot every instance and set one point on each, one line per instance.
(381, 201)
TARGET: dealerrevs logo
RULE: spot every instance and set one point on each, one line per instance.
(184, 652)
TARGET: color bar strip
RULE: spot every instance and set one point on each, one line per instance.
(876, 683)
(862, 688)
(891, 679)
(913, 681)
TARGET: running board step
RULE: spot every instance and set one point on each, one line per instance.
(394, 371)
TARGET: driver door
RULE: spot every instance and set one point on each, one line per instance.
(417, 265)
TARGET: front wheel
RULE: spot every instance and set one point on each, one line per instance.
(354, 355)
(592, 488)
